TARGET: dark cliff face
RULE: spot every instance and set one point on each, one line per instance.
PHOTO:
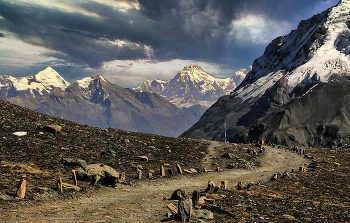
(318, 118)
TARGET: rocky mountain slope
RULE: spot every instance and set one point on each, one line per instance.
(96, 102)
(317, 51)
(193, 87)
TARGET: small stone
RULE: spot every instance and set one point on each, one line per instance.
(144, 158)
(274, 177)
(193, 170)
(288, 217)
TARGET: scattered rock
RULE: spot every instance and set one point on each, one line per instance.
(73, 162)
(144, 158)
(193, 170)
(203, 213)
(229, 156)
(109, 153)
(288, 217)
(20, 133)
(274, 177)
(5, 197)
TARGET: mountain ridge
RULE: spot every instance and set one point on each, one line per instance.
(317, 51)
(97, 102)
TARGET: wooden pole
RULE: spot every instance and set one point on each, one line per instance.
(21, 189)
(74, 175)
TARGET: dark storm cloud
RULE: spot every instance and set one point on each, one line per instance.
(164, 29)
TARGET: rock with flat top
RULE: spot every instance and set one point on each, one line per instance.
(98, 173)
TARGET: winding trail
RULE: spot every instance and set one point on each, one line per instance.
(145, 202)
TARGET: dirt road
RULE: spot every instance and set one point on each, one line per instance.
(145, 201)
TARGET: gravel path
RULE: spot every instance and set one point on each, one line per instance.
(145, 202)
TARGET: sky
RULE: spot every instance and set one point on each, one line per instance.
(130, 41)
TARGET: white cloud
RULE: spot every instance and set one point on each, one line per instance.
(16, 53)
(257, 29)
(62, 5)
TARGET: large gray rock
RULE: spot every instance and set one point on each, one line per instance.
(98, 173)
(73, 162)
(185, 209)
(205, 214)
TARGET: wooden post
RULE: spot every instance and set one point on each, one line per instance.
(179, 170)
(224, 184)
(21, 189)
(139, 174)
(74, 175)
(59, 186)
(122, 177)
(195, 197)
(162, 171)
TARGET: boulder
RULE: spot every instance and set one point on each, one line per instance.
(51, 128)
(73, 162)
(179, 194)
(203, 213)
(98, 173)
(184, 210)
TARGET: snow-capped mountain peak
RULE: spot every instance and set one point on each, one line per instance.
(87, 81)
(193, 86)
(37, 85)
(316, 51)
(196, 73)
(50, 77)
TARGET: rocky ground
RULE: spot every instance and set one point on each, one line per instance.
(318, 193)
(35, 155)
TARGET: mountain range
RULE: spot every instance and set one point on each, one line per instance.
(279, 101)
(193, 86)
(96, 102)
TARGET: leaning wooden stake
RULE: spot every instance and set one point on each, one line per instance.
(59, 186)
(21, 189)
(74, 175)
(224, 184)
(179, 170)
(162, 171)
